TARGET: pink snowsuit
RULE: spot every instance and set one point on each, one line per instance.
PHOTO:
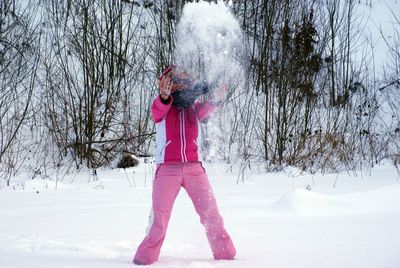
(178, 165)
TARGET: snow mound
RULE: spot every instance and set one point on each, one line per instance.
(299, 201)
(303, 201)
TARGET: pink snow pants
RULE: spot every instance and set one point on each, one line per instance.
(167, 182)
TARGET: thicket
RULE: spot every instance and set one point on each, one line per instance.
(77, 79)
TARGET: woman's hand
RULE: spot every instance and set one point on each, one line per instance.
(165, 86)
(220, 93)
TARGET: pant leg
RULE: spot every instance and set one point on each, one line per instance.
(166, 185)
(196, 183)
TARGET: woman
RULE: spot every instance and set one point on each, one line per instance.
(178, 136)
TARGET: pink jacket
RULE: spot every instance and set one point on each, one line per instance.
(178, 131)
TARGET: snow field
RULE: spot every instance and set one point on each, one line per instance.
(273, 221)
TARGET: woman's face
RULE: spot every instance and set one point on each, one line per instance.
(180, 80)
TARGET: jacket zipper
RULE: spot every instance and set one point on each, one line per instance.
(183, 138)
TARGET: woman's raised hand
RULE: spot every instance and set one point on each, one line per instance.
(220, 93)
(165, 86)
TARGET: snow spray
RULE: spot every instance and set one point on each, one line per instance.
(209, 44)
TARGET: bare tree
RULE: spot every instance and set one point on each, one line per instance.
(390, 89)
(18, 66)
(97, 75)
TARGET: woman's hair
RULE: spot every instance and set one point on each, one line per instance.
(189, 89)
(185, 98)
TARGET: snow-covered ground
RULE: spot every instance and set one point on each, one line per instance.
(272, 218)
